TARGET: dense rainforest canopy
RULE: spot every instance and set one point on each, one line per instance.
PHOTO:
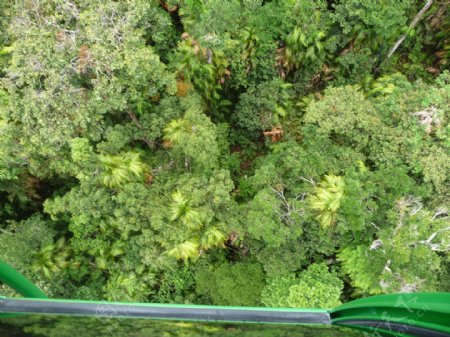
(287, 153)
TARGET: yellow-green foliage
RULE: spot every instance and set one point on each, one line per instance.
(212, 238)
(326, 199)
(185, 251)
(122, 169)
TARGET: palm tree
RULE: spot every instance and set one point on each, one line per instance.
(126, 287)
(122, 169)
(181, 209)
(326, 199)
(201, 67)
(176, 131)
(52, 259)
(301, 48)
(381, 86)
(105, 257)
(189, 249)
(212, 238)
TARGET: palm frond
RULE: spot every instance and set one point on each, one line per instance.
(122, 169)
(188, 250)
(326, 199)
(212, 238)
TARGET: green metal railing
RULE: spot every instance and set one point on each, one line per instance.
(413, 314)
(408, 314)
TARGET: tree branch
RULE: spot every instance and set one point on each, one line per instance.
(139, 126)
(413, 23)
(432, 236)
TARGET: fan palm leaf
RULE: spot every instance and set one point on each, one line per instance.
(186, 250)
(212, 238)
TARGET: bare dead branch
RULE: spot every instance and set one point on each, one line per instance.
(413, 23)
(432, 236)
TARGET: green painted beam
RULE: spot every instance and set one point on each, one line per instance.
(18, 282)
(406, 314)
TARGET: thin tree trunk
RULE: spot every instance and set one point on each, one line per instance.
(413, 23)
